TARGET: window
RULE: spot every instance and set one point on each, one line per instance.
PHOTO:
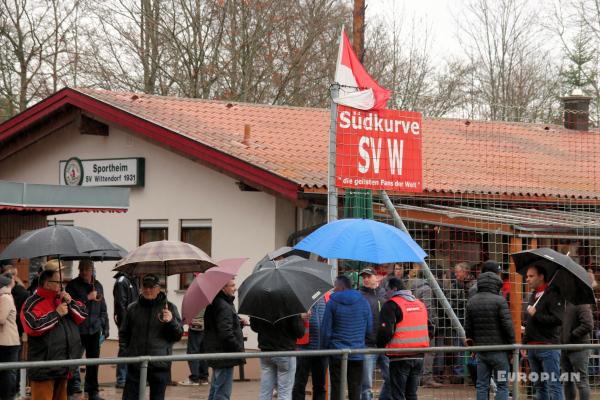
(199, 233)
(151, 230)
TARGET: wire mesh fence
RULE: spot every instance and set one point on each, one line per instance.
(489, 189)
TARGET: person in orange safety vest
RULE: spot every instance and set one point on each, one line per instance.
(404, 323)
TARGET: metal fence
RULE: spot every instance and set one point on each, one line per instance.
(517, 384)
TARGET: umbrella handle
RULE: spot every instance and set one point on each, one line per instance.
(549, 283)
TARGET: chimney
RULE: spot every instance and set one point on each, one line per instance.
(576, 110)
(246, 140)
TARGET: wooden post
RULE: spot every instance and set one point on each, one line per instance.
(358, 29)
(516, 285)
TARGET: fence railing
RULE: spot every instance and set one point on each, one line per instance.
(344, 353)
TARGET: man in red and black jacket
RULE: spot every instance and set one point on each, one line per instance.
(50, 318)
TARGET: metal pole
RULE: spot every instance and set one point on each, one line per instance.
(516, 359)
(143, 379)
(343, 375)
(23, 383)
(426, 270)
(332, 195)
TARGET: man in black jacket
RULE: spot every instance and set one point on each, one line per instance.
(125, 292)
(150, 328)
(488, 322)
(544, 316)
(223, 334)
(277, 372)
(88, 291)
(576, 328)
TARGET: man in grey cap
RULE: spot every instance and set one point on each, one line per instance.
(150, 328)
(375, 297)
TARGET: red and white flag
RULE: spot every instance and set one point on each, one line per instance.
(357, 88)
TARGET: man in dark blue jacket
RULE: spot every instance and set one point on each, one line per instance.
(87, 290)
(346, 323)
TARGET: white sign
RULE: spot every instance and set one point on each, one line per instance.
(105, 172)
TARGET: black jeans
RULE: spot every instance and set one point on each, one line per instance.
(157, 380)
(91, 345)
(305, 366)
(198, 368)
(405, 376)
(8, 377)
(354, 378)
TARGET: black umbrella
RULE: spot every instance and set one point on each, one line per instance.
(571, 278)
(291, 288)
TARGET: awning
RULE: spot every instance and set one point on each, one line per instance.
(518, 221)
(17, 197)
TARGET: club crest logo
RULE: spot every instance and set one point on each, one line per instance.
(73, 173)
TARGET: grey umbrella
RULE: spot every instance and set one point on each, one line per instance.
(56, 240)
(100, 255)
(283, 252)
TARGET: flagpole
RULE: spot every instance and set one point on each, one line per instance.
(332, 195)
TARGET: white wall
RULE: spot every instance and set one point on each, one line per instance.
(244, 224)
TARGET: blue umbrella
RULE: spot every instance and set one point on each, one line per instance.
(362, 240)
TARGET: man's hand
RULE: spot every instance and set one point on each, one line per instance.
(468, 342)
(92, 295)
(305, 316)
(523, 353)
(531, 310)
(62, 309)
(66, 297)
(244, 322)
(166, 315)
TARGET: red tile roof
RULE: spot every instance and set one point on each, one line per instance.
(458, 156)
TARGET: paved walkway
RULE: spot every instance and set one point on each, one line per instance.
(249, 391)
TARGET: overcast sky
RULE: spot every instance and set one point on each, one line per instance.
(436, 15)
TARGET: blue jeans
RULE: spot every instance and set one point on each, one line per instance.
(277, 372)
(547, 361)
(198, 368)
(367, 377)
(404, 378)
(495, 362)
(121, 368)
(221, 384)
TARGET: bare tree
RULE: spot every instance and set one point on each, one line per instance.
(576, 24)
(503, 40)
(21, 34)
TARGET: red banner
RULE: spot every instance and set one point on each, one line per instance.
(378, 150)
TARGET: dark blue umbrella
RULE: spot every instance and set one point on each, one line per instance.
(362, 240)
